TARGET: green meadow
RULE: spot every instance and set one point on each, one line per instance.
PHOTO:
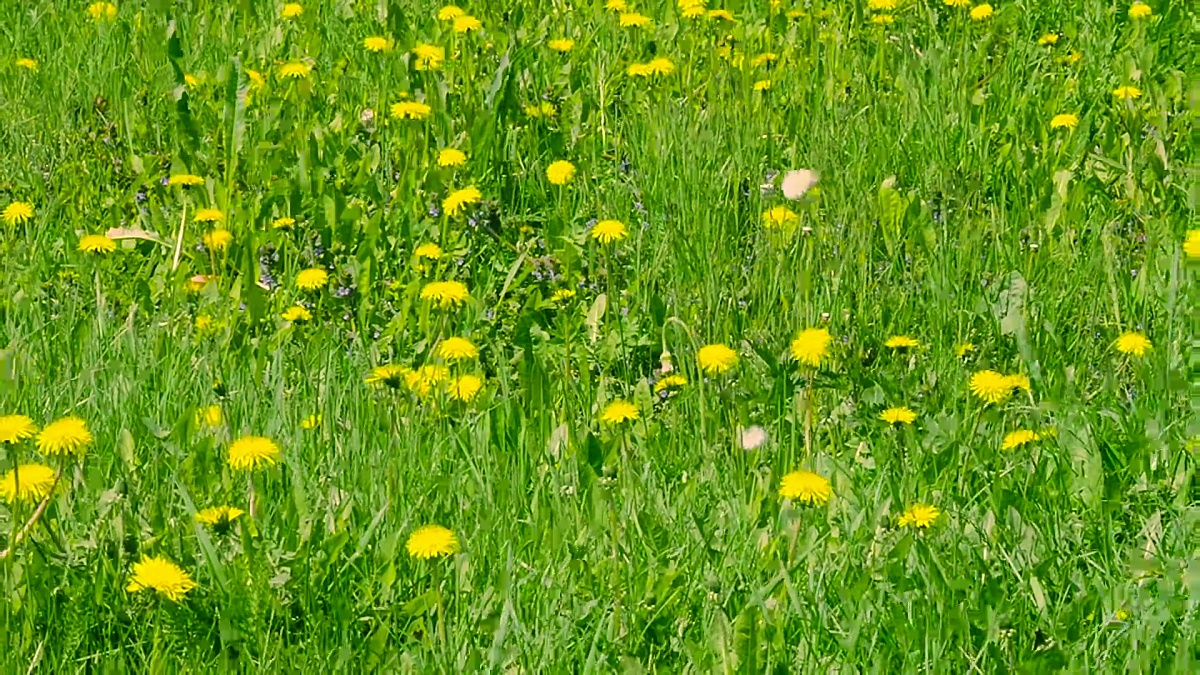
(557, 336)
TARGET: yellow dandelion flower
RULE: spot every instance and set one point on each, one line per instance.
(311, 422)
(1048, 40)
(377, 43)
(466, 24)
(694, 11)
(805, 487)
(389, 374)
(762, 85)
(1191, 245)
(982, 12)
(65, 436)
(464, 388)
(1018, 438)
(423, 380)
(634, 20)
(216, 516)
(16, 428)
(296, 314)
(445, 294)
(963, 348)
(608, 231)
(294, 71)
(291, 10)
(209, 216)
(257, 81)
(720, 14)
(901, 415)
(455, 201)
(431, 541)
(661, 66)
(428, 57)
(901, 342)
(218, 240)
(283, 223)
(162, 575)
(991, 386)
(1133, 344)
(97, 243)
(560, 172)
(26, 63)
(102, 11)
(716, 358)
(457, 349)
(561, 45)
(27, 483)
(958, 4)
(619, 412)
(543, 109)
(185, 179)
(778, 216)
(883, 19)
(1064, 121)
(562, 295)
(208, 416)
(312, 279)
(251, 452)
(763, 59)
(919, 515)
(451, 157)
(811, 345)
(1140, 10)
(18, 213)
(428, 250)
(449, 13)
(413, 110)
(881, 5)
(616, 5)
(669, 383)
(204, 324)
(1127, 92)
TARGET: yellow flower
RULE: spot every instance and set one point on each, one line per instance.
(161, 575)
(205, 324)
(423, 379)
(429, 57)
(811, 345)
(1017, 381)
(1048, 40)
(102, 11)
(658, 66)
(449, 13)
(209, 216)
(1018, 438)
(218, 240)
(722, 14)
(464, 388)
(451, 157)
(250, 452)
(456, 200)
(1191, 245)
(296, 314)
(763, 59)
(901, 415)
(919, 515)
(218, 516)
(389, 374)
(377, 43)
(957, 3)
(428, 250)
(543, 109)
(991, 386)
(562, 295)
(1064, 121)
(17, 213)
(413, 110)
(291, 10)
(619, 412)
(881, 5)
(197, 283)
(634, 20)
(762, 85)
(883, 19)
(185, 179)
(901, 342)
(445, 294)
(283, 223)
(1071, 58)
(963, 348)
(457, 349)
(669, 382)
(97, 243)
(68, 435)
(805, 487)
(561, 45)
(693, 11)
(208, 416)
(27, 64)
(1134, 344)
(311, 422)
(981, 12)
(27, 483)
(312, 279)
(616, 5)
(431, 541)
(608, 231)
(778, 216)
(560, 172)
(1127, 92)
(257, 81)
(1139, 10)
(716, 358)
(294, 70)
(16, 428)
(466, 24)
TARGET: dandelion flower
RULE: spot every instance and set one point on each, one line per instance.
(1140, 10)
(669, 383)
(1018, 438)
(619, 412)
(291, 10)
(811, 345)
(901, 415)
(1132, 343)
(389, 374)
(901, 342)
(209, 216)
(1191, 245)
(778, 216)
(451, 157)
(457, 349)
(283, 223)
(296, 314)
(616, 5)
(217, 516)
(562, 295)
(721, 14)
(762, 85)
(312, 279)
(1048, 40)
(185, 180)
(1127, 92)
(102, 11)
(428, 57)
(431, 541)
(26, 63)
(919, 515)
(716, 358)
(251, 452)
(294, 71)
(464, 388)
(959, 4)
(27, 483)
(539, 110)
(561, 45)
(377, 43)
(963, 348)
(161, 575)
(805, 487)
(991, 386)
(413, 110)
(218, 240)
(445, 294)
(560, 172)
(634, 20)
(68, 435)
(660, 66)
(1018, 381)
(16, 428)
(424, 379)
(208, 416)
(450, 13)
(982, 12)
(693, 10)
(466, 24)
(881, 5)
(204, 324)
(18, 213)
(97, 243)
(428, 250)
(1064, 121)
(455, 201)
(608, 231)
(311, 422)
(257, 81)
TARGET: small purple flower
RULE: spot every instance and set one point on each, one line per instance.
(343, 291)
(165, 181)
(140, 196)
(435, 211)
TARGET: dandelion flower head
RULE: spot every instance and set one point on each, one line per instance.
(68, 435)
(778, 216)
(251, 452)
(457, 349)
(811, 346)
(27, 483)
(901, 342)
(901, 415)
(982, 12)
(619, 412)
(1133, 344)
(17, 213)
(431, 541)
(805, 487)
(445, 294)
(162, 575)
(1018, 438)
(312, 279)
(97, 243)
(1064, 121)
(451, 157)
(377, 43)
(16, 428)
(218, 515)
(716, 358)
(455, 201)
(560, 172)
(608, 231)
(464, 388)
(218, 240)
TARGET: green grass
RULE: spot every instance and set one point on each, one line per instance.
(947, 209)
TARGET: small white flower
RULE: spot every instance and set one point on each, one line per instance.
(752, 437)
